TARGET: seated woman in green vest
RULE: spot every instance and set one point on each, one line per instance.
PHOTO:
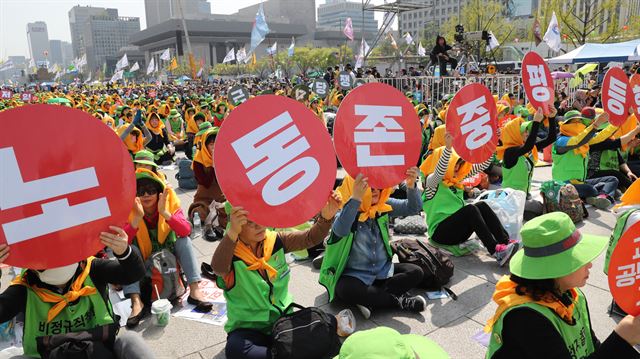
(252, 270)
(608, 158)
(570, 155)
(75, 299)
(541, 312)
(450, 220)
(519, 156)
(357, 266)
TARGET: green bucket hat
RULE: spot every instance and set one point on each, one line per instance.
(526, 126)
(174, 113)
(386, 343)
(554, 248)
(145, 157)
(144, 174)
(204, 127)
(575, 115)
(521, 111)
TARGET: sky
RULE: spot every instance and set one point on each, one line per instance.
(15, 14)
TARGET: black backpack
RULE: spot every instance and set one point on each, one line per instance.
(436, 266)
(308, 333)
(186, 178)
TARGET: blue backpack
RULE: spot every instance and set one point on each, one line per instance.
(185, 176)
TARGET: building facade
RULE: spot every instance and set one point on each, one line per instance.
(78, 19)
(333, 14)
(158, 11)
(38, 38)
(105, 35)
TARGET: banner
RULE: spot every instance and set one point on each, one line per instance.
(377, 133)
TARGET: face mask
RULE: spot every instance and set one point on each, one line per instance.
(58, 276)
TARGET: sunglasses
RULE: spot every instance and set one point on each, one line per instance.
(150, 191)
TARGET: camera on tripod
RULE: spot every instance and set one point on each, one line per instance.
(462, 36)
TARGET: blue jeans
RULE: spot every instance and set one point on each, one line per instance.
(187, 259)
(593, 187)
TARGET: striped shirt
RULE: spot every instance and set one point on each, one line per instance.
(434, 179)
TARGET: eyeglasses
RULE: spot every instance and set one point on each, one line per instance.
(146, 192)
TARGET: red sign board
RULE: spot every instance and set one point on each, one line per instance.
(54, 204)
(624, 271)
(634, 86)
(472, 121)
(377, 133)
(616, 95)
(6, 94)
(537, 80)
(26, 97)
(275, 159)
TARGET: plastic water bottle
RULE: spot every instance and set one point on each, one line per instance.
(197, 225)
(436, 72)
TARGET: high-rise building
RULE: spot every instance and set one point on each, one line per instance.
(432, 16)
(158, 11)
(38, 39)
(61, 52)
(104, 35)
(333, 14)
(78, 18)
(523, 7)
(67, 52)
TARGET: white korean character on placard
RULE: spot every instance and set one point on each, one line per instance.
(538, 82)
(475, 123)
(368, 132)
(628, 275)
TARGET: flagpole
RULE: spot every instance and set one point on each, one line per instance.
(237, 63)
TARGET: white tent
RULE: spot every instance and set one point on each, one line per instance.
(620, 52)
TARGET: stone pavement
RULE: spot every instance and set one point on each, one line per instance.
(450, 323)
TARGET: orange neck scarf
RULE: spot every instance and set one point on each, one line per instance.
(203, 155)
(506, 297)
(156, 130)
(450, 179)
(61, 301)
(366, 210)
(245, 253)
(573, 129)
(132, 146)
(511, 136)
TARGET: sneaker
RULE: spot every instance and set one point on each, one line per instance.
(504, 252)
(600, 202)
(414, 304)
(210, 235)
(317, 261)
(366, 312)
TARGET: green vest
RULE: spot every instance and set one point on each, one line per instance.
(568, 166)
(88, 312)
(577, 337)
(176, 125)
(169, 242)
(447, 201)
(254, 302)
(609, 160)
(519, 176)
(337, 252)
(618, 230)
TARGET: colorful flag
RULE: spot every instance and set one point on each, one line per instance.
(348, 29)
(393, 41)
(273, 49)
(260, 29)
(231, 55)
(579, 75)
(537, 36)
(552, 36)
(291, 50)
(192, 65)
(135, 67)
(254, 61)
(174, 64)
(199, 72)
(408, 38)
(122, 63)
(422, 52)
(151, 67)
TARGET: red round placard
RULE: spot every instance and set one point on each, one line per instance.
(472, 120)
(624, 271)
(634, 86)
(65, 178)
(274, 158)
(377, 133)
(616, 95)
(537, 80)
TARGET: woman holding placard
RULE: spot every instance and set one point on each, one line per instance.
(519, 156)
(451, 221)
(357, 266)
(541, 312)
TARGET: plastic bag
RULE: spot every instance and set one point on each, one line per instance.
(508, 205)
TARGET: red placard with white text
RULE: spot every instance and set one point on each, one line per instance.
(6, 94)
(26, 97)
(377, 133)
(472, 120)
(537, 80)
(634, 86)
(616, 95)
(624, 271)
(54, 204)
(275, 159)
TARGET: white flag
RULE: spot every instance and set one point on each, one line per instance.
(199, 72)
(493, 42)
(122, 63)
(241, 55)
(231, 55)
(422, 52)
(117, 76)
(408, 38)
(273, 49)
(135, 67)
(166, 55)
(552, 36)
(292, 47)
(364, 48)
(151, 68)
(359, 61)
(88, 79)
(82, 61)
